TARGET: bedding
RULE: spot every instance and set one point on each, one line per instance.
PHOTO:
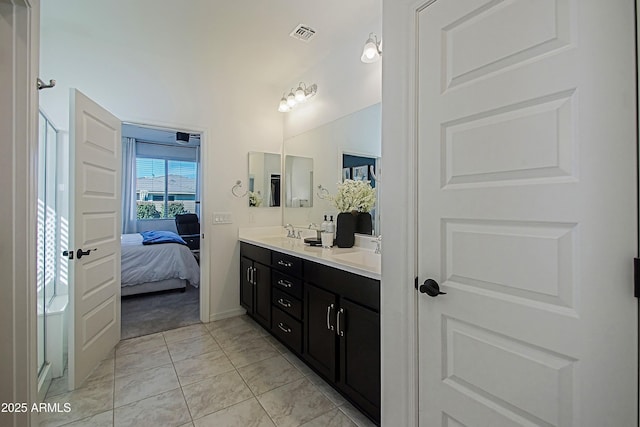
(153, 263)
(158, 237)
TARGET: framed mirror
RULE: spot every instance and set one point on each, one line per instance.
(264, 189)
(298, 173)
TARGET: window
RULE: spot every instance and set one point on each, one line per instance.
(166, 186)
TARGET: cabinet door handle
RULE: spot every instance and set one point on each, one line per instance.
(249, 275)
(329, 325)
(284, 328)
(339, 331)
(285, 303)
(254, 273)
(285, 263)
(284, 283)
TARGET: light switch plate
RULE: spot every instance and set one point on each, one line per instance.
(222, 218)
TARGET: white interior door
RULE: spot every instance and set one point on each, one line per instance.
(527, 213)
(95, 175)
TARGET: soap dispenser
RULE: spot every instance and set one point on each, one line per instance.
(331, 227)
(325, 224)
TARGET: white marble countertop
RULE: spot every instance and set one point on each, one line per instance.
(360, 259)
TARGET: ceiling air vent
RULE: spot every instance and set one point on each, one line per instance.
(303, 32)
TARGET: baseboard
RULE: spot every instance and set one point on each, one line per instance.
(227, 314)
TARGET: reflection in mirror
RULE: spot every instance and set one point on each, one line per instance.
(264, 180)
(361, 168)
(357, 135)
(298, 181)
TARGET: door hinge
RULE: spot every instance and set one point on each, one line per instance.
(415, 282)
(636, 277)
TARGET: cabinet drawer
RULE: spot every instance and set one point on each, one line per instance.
(287, 303)
(288, 284)
(287, 263)
(287, 329)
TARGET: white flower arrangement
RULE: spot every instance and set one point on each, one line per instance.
(255, 199)
(354, 196)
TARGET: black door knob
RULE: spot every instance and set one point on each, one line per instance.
(431, 288)
(80, 252)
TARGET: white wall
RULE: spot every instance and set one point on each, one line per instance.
(345, 85)
(146, 69)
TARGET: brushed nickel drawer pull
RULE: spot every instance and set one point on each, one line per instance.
(329, 325)
(285, 263)
(338, 330)
(284, 328)
(285, 303)
(284, 283)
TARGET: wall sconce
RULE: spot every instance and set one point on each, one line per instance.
(372, 49)
(298, 96)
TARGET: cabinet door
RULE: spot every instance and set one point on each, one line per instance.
(360, 355)
(262, 289)
(320, 335)
(246, 287)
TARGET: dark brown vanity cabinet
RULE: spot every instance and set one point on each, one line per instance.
(342, 332)
(320, 337)
(255, 283)
(328, 317)
(359, 342)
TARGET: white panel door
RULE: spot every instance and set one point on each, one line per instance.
(95, 209)
(527, 213)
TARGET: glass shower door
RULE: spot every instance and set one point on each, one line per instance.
(47, 231)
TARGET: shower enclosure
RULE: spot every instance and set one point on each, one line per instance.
(48, 241)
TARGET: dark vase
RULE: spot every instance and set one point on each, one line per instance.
(364, 224)
(345, 229)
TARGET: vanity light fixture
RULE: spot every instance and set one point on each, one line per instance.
(372, 49)
(298, 96)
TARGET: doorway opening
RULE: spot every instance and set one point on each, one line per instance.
(161, 196)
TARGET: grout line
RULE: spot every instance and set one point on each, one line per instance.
(256, 397)
(182, 392)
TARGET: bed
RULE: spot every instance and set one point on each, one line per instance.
(156, 267)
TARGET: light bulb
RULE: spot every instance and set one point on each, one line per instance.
(369, 51)
(291, 99)
(300, 95)
(283, 107)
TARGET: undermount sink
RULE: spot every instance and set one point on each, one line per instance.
(365, 258)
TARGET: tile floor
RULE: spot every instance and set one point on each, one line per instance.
(223, 374)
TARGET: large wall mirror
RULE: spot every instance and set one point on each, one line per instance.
(333, 148)
(264, 180)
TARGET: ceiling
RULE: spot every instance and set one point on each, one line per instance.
(246, 36)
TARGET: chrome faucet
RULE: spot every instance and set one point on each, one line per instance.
(291, 231)
(378, 242)
(314, 226)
